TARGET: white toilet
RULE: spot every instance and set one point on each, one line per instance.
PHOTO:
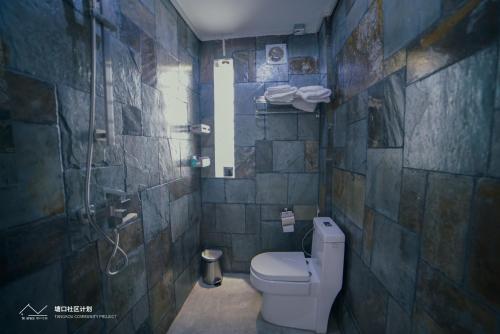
(299, 292)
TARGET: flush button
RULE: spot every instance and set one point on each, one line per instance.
(327, 223)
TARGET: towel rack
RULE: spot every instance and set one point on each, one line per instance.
(264, 108)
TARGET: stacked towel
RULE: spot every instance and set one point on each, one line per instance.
(283, 94)
(307, 97)
(304, 98)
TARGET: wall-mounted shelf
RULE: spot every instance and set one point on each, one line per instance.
(264, 108)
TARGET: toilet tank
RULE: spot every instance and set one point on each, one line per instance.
(328, 251)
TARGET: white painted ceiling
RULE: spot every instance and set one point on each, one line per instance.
(217, 19)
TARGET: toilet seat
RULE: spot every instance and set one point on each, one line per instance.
(281, 266)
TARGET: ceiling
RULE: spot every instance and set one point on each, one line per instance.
(218, 19)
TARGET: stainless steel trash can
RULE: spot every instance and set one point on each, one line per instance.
(212, 273)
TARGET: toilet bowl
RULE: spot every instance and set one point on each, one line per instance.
(297, 291)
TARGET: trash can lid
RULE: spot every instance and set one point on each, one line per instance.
(211, 255)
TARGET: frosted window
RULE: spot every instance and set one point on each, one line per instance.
(224, 117)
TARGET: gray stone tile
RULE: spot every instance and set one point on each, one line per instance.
(354, 14)
(148, 60)
(74, 118)
(112, 177)
(274, 239)
(240, 191)
(213, 190)
(155, 211)
(141, 162)
(230, 218)
(311, 156)
(303, 45)
(340, 126)
(27, 99)
(122, 292)
(182, 288)
(304, 212)
(303, 65)
(288, 156)
(446, 303)
(403, 21)
(179, 219)
(360, 60)
(303, 188)
(445, 223)
(30, 247)
(244, 94)
(248, 129)
(169, 159)
(45, 52)
(272, 188)
(455, 39)
(252, 218)
(353, 234)
(386, 112)
(139, 14)
(46, 285)
(355, 150)
(263, 156)
(411, 209)
(208, 221)
(302, 80)
(357, 107)
(159, 260)
(162, 301)
(398, 322)
(132, 121)
(349, 195)
(154, 123)
(245, 246)
(366, 297)
(394, 259)
(166, 27)
(271, 212)
(244, 162)
(482, 274)
(383, 181)
(281, 127)
(494, 165)
(126, 75)
(308, 127)
(207, 101)
(36, 153)
(368, 236)
(451, 135)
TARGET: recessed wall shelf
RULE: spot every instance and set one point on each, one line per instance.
(264, 108)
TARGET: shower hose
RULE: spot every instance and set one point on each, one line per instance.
(90, 149)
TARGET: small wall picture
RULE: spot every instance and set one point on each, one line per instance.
(276, 54)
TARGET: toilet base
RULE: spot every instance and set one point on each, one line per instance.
(293, 311)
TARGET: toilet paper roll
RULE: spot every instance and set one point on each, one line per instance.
(287, 221)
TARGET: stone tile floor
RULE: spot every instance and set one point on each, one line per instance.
(232, 308)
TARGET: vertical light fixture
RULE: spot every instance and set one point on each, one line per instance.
(224, 117)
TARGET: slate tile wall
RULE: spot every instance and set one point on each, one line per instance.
(410, 149)
(276, 157)
(47, 255)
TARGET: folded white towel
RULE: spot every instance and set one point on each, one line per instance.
(280, 89)
(303, 105)
(283, 94)
(314, 94)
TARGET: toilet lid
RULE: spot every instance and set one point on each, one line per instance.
(281, 266)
